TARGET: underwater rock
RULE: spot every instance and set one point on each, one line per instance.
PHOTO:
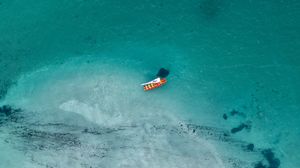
(260, 165)
(235, 112)
(250, 147)
(8, 110)
(241, 127)
(225, 116)
(9, 114)
(238, 129)
(270, 157)
(275, 163)
(268, 154)
(246, 125)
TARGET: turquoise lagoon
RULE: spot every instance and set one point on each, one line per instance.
(71, 73)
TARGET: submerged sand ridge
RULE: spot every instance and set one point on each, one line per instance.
(96, 114)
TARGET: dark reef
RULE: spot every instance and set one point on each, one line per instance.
(8, 110)
(260, 165)
(269, 156)
(238, 129)
(40, 136)
(9, 114)
(235, 112)
(241, 127)
(225, 116)
(250, 147)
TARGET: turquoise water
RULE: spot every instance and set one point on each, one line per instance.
(71, 74)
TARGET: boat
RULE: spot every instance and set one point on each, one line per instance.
(158, 82)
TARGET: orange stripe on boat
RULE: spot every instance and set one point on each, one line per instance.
(155, 85)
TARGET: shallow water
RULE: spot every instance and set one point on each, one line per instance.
(70, 75)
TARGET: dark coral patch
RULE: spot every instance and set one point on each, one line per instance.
(8, 110)
(270, 157)
(238, 129)
(7, 114)
(260, 165)
(225, 116)
(242, 126)
(238, 113)
(250, 147)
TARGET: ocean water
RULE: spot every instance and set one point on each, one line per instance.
(71, 73)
